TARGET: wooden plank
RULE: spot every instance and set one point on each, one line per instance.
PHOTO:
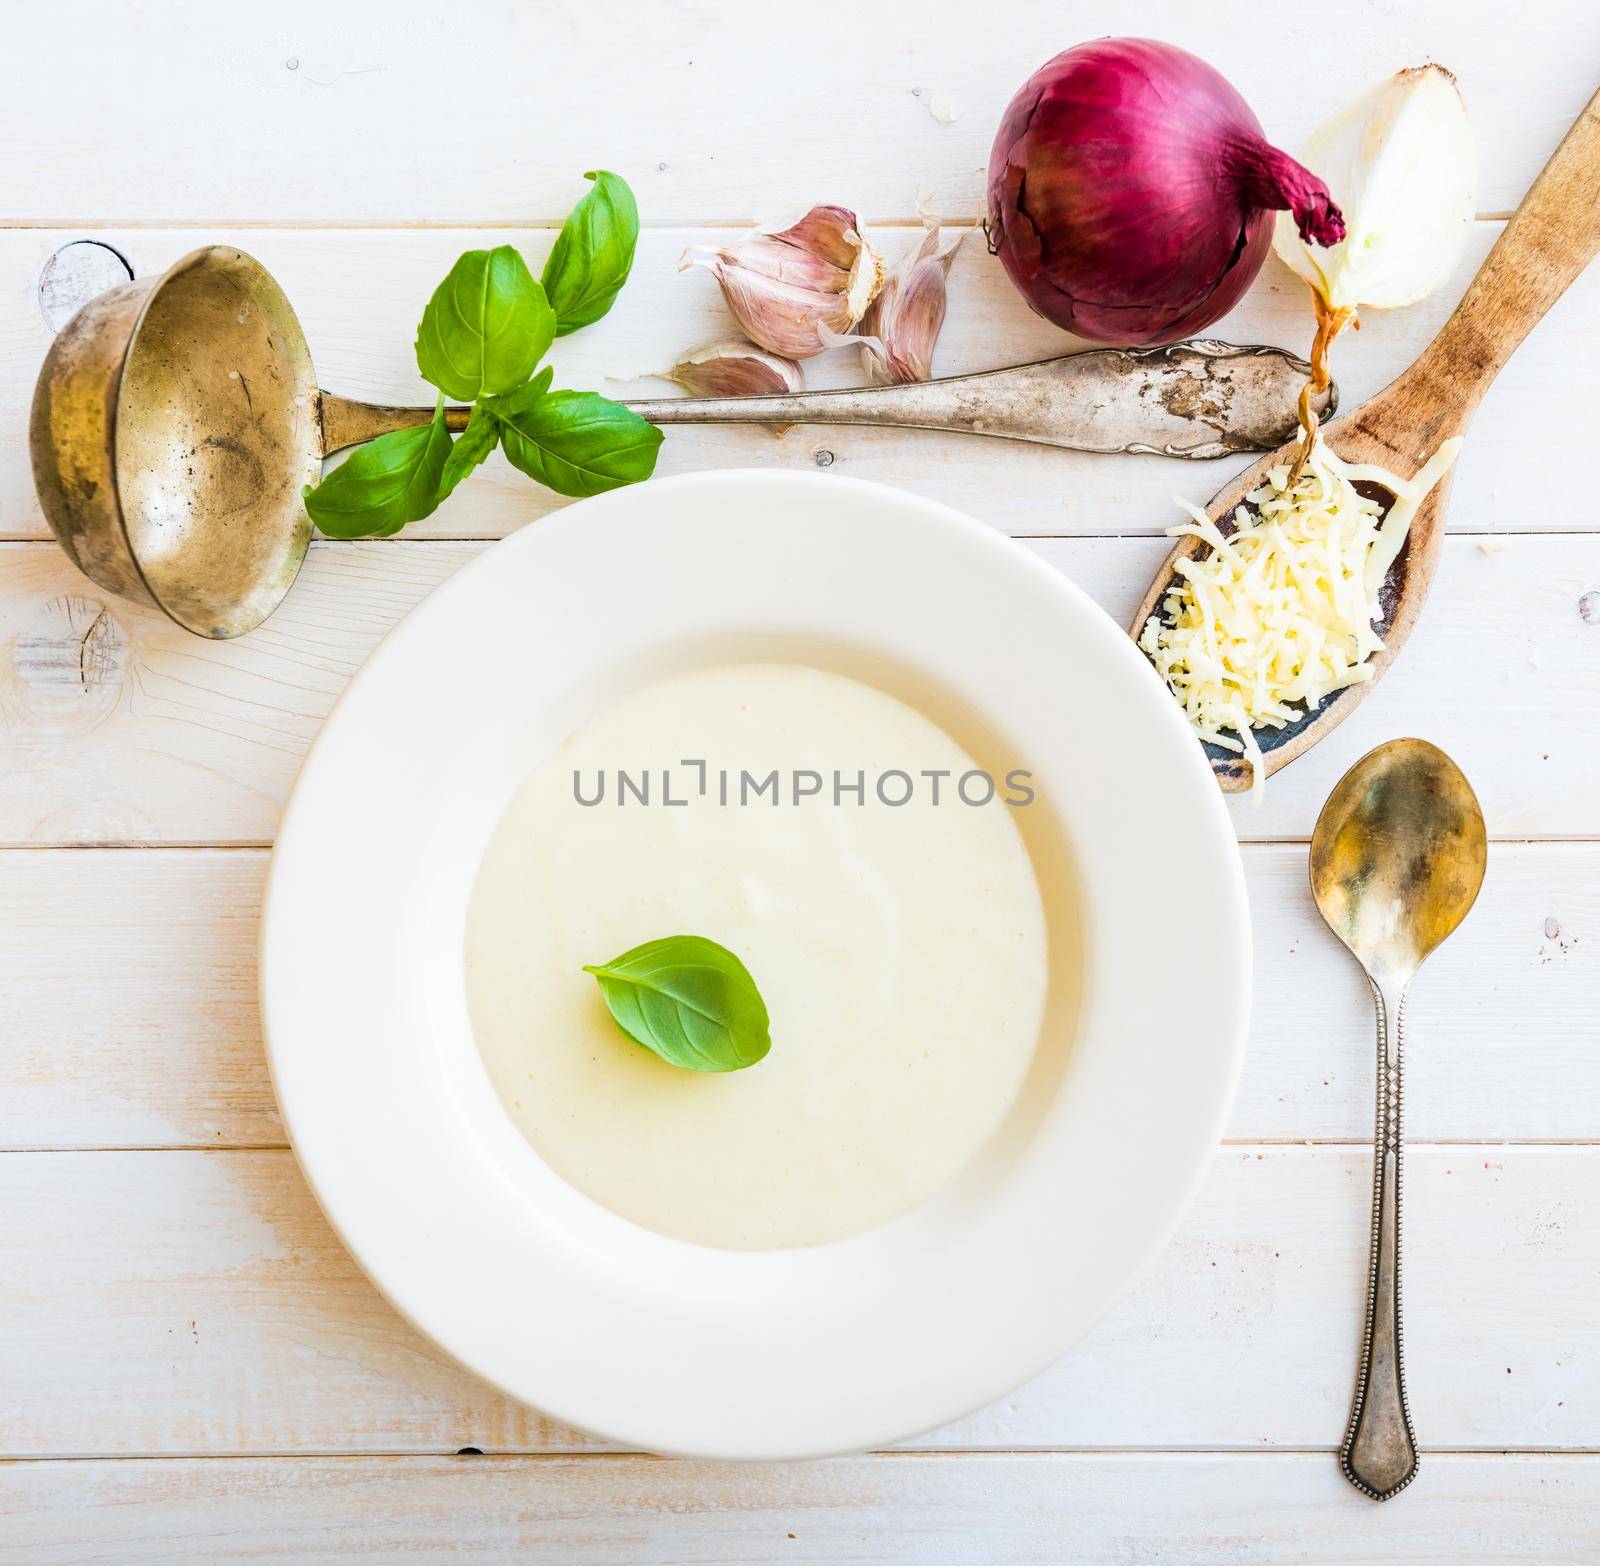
(194, 1302)
(1184, 1509)
(130, 1016)
(117, 727)
(711, 110)
(359, 294)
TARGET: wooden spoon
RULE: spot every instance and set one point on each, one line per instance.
(1550, 239)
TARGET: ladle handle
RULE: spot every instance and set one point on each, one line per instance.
(1551, 237)
(1379, 1455)
(348, 423)
(1199, 399)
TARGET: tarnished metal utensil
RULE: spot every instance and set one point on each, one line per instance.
(176, 419)
(1397, 857)
(1198, 399)
(174, 423)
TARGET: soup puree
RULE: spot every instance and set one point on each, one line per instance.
(901, 952)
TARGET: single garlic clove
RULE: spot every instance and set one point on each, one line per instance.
(780, 286)
(901, 328)
(1400, 163)
(736, 369)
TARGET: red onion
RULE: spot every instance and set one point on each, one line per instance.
(1131, 192)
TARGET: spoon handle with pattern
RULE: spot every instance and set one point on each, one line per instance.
(1379, 1455)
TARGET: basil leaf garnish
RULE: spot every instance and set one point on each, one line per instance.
(574, 442)
(486, 327)
(481, 337)
(473, 445)
(593, 253)
(688, 999)
(384, 484)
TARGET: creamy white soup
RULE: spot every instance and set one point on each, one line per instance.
(900, 949)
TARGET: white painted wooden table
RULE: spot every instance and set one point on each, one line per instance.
(192, 1369)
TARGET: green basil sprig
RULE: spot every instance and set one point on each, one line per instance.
(480, 340)
(690, 1000)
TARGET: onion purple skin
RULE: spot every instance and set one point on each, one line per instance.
(1131, 193)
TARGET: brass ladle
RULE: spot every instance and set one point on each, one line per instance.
(1397, 858)
(176, 419)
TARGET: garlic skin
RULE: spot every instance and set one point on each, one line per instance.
(783, 286)
(1400, 162)
(902, 325)
(736, 368)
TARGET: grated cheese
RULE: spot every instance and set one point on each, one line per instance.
(1281, 611)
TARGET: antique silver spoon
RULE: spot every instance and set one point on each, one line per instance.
(1397, 858)
(1197, 399)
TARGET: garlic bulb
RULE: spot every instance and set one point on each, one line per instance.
(1400, 163)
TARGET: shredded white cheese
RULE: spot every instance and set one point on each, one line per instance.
(1281, 611)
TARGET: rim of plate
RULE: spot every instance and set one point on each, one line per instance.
(561, 1304)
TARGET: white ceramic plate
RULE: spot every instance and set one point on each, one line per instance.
(644, 1339)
